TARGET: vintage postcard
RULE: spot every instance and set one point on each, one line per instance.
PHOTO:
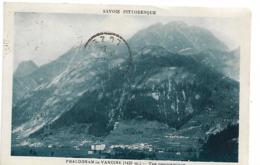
(128, 85)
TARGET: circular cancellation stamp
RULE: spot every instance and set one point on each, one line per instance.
(109, 47)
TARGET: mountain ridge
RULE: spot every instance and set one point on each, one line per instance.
(183, 93)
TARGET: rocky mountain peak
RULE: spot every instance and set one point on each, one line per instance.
(25, 68)
(177, 90)
(176, 36)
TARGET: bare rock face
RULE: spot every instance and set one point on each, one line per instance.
(175, 82)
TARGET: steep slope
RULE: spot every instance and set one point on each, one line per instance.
(226, 62)
(177, 37)
(165, 102)
(21, 86)
(25, 84)
(177, 83)
(164, 87)
(57, 95)
(201, 44)
(25, 68)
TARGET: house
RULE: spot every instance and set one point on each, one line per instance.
(98, 147)
(90, 152)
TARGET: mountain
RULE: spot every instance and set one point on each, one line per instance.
(25, 68)
(159, 99)
(164, 87)
(21, 85)
(177, 37)
(201, 44)
(226, 62)
(24, 86)
(61, 84)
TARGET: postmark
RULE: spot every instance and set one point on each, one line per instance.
(156, 115)
(109, 47)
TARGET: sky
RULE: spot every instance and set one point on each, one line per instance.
(42, 37)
